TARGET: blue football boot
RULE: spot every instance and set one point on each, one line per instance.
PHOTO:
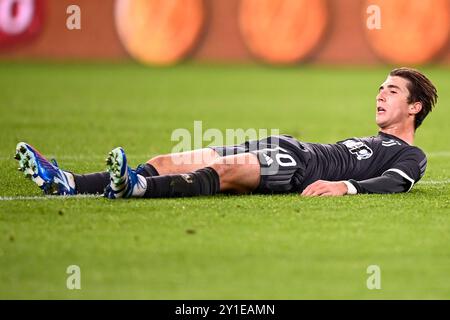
(47, 175)
(125, 182)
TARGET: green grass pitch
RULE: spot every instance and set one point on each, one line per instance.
(222, 247)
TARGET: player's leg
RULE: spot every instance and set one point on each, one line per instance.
(183, 162)
(52, 180)
(238, 173)
(272, 165)
(47, 175)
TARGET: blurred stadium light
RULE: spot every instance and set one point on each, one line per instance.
(159, 31)
(275, 31)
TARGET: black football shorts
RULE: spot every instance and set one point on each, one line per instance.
(282, 160)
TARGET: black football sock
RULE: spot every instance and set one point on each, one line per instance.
(147, 170)
(92, 183)
(201, 182)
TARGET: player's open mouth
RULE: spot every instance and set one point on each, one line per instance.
(380, 110)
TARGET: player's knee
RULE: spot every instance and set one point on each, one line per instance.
(230, 176)
(158, 161)
(223, 168)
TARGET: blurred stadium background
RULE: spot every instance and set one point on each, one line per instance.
(79, 77)
(274, 31)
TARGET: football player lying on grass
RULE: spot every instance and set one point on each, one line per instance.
(385, 163)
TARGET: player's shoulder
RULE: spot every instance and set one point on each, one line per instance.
(388, 140)
(401, 148)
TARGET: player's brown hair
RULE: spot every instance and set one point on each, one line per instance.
(420, 90)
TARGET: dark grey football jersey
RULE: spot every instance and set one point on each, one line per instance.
(377, 164)
(365, 158)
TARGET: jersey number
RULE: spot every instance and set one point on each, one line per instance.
(285, 160)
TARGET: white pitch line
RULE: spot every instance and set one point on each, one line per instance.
(92, 196)
(434, 182)
(19, 198)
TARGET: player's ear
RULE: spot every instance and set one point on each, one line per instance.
(415, 108)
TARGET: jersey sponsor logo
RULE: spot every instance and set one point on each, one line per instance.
(358, 148)
(390, 143)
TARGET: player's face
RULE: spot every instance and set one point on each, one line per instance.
(392, 102)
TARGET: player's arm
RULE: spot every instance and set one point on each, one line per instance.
(400, 178)
(389, 182)
(392, 181)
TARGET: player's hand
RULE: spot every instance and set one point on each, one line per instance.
(325, 188)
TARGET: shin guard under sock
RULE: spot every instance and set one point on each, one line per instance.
(201, 182)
